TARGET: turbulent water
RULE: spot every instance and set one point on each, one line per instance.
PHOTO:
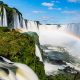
(38, 53)
(32, 26)
(52, 39)
(61, 47)
(15, 71)
(16, 20)
(0, 18)
(4, 17)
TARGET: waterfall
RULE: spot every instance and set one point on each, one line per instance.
(24, 25)
(16, 20)
(73, 28)
(38, 53)
(60, 37)
(5, 76)
(0, 17)
(43, 28)
(32, 26)
(15, 71)
(24, 72)
(65, 37)
(4, 18)
(21, 20)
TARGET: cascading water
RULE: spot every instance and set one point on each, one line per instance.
(38, 53)
(4, 17)
(15, 71)
(24, 28)
(0, 17)
(54, 37)
(50, 36)
(16, 20)
(32, 26)
(73, 28)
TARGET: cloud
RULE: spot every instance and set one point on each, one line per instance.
(36, 11)
(46, 18)
(73, 1)
(47, 4)
(50, 5)
(70, 12)
(55, 1)
(51, 8)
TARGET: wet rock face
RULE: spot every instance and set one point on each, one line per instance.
(68, 69)
(59, 62)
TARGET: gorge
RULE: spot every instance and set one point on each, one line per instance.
(60, 43)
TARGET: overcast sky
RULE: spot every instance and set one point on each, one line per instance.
(48, 11)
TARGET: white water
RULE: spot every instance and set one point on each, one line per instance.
(64, 36)
(0, 17)
(3, 20)
(16, 20)
(38, 53)
(24, 27)
(24, 24)
(32, 26)
(5, 76)
(51, 69)
(23, 72)
(4, 17)
(72, 28)
(61, 37)
(29, 26)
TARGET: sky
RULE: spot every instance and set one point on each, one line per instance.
(48, 11)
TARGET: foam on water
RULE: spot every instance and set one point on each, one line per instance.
(24, 72)
(64, 36)
(60, 38)
(21, 72)
(51, 69)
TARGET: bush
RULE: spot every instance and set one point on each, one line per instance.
(4, 29)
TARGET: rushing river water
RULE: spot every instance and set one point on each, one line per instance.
(15, 71)
(61, 49)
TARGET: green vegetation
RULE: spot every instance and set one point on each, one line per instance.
(21, 48)
(14, 45)
(9, 13)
